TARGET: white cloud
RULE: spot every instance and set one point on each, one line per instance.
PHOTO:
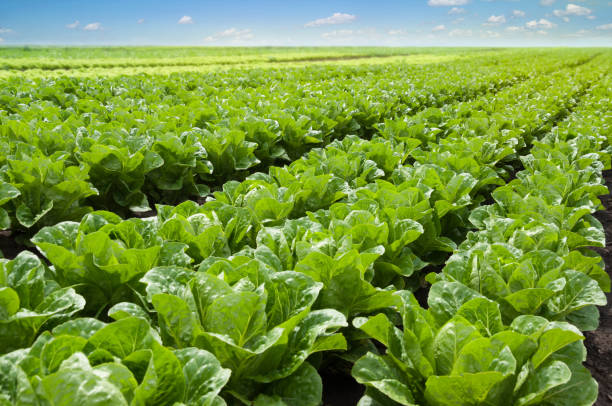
(501, 19)
(437, 3)
(458, 20)
(338, 34)
(440, 27)
(518, 13)
(140, 20)
(591, 17)
(185, 20)
(579, 33)
(5, 30)
(541, 23)
(397, 32)
(604, 27)
(515, 28)
(73, 25)
(93, 27)
(577, 10)
(232, 34)
(336, 18)
(460, 33)
(572, 10)
(1, 39)
(456, 10)
(547, 2)
(490, 34)
(541, 32)
(350, 35)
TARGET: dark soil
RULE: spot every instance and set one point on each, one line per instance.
(340, 388)
(599, 342)
(10, 247)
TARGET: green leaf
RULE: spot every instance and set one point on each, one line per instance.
(163, 382)
(344, 286)
(15, 388)
(332, 342)
(59, 349)
(529, 301)
(484, 314)
(466, 390)
(127, 309)
(83, 327)
(176, 320)
(555, 337)
(20, 329)
(207, 288)
(448, 343)
(302, 340)
(378, 327)
(123, 337)
(239, 316)
(9, 302)
(302, 388)
(26, 275)
(265, 400)
(289, 293)
(529, 325)
(579, 291)
(204, 376)
(5, 219)
(120, 376)
(61, 303)
(387, 376)
(586, 319)
(548, 376)
(28, 218)
(167, 279)
(372, 397)
(581, 390)
(446, 298)
(8, 192)
(79, 387)
(521, 346)
(484, 354)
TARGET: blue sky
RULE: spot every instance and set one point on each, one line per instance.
(313, 22)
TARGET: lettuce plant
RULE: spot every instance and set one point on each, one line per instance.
(30, 301)
(472, 359)
(258, 324)
(120, 363)
(539, 282)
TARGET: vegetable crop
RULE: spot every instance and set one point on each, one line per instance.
(221, 239)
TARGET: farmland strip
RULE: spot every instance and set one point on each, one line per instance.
(123, 168)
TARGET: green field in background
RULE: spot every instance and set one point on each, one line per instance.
(112, 61)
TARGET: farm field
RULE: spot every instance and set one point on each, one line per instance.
(305, 226)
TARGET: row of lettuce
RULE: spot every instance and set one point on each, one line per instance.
(506, 313)
(16, 59)
(67, 145)
(291, 263)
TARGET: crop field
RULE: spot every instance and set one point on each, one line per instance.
(305, 226)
